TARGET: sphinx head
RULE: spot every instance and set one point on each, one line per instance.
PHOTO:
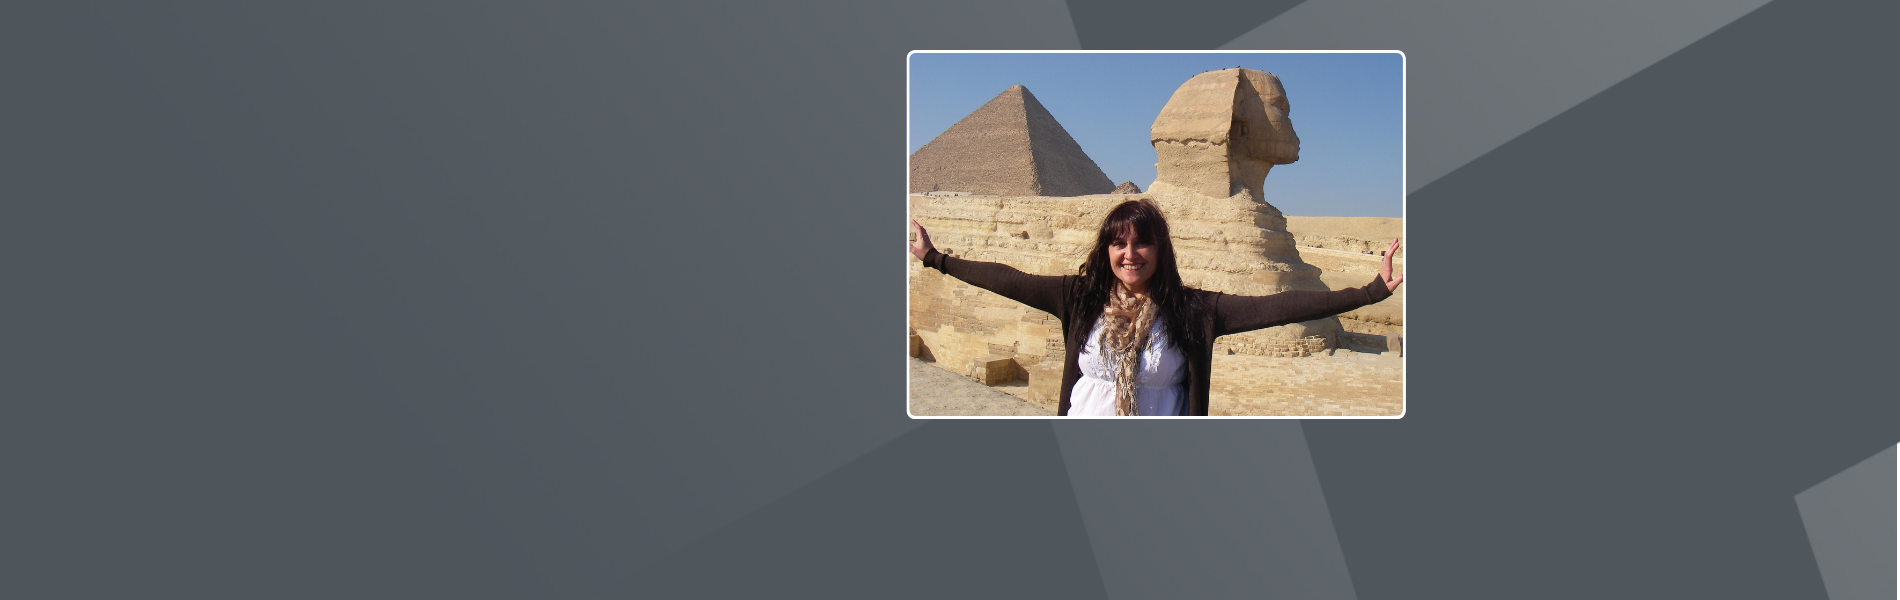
(1222, 131)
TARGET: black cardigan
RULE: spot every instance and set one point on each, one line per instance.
(1226, 314)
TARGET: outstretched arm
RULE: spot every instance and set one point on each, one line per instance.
(1041, 292)
(1236, 314)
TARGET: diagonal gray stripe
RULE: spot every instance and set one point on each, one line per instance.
(983, 24)
(1652, 435)
(1482, 72)
(1204, 510)
(968, 509)
(1850, 523)
(778, 444)
(401, 297)
(1183, 24)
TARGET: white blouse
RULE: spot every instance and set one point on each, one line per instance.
(1161, 371)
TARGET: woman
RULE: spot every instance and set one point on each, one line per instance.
(1137, 341)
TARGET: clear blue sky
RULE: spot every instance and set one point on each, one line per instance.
(1347, 109)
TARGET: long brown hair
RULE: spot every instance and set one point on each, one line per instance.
(1179, 306)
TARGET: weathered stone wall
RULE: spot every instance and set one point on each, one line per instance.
(1351, 258)
(1277, 347)
(959, 323)
(1363, 235)
(1342, 270)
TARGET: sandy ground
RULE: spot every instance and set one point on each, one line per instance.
(1342, 383)
(937, 392)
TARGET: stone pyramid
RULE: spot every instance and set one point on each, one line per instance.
(1010, 146)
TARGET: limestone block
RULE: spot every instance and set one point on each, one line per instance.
(1277, 347)
(1045, 382)
(1365, 342)
(992, 369)
(916, 346)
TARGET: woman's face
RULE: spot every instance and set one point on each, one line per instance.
(1133, 260)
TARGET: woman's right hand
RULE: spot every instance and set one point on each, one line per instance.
(921, 247)
(1385, 271)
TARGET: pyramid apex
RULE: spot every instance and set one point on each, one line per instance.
(1010, 146)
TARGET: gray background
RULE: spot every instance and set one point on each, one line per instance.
(589, 300)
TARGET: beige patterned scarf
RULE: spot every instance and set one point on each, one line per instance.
(1125, 325)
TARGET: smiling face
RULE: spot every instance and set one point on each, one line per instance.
(1133, 260)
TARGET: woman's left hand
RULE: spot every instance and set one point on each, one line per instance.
(1385, 272)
